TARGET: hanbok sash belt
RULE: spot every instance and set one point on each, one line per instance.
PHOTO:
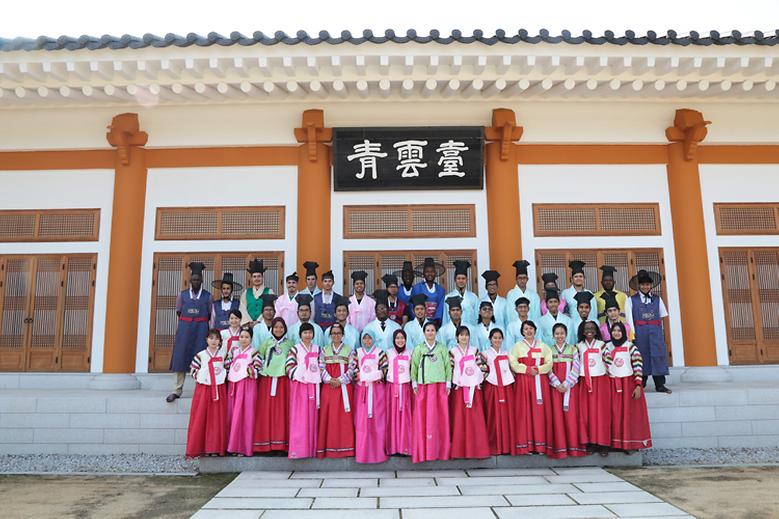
(539, 361)
(567, 396)
(274, 380)
(397, 387)
(467, 395)
(587, 376)
(344, 393)
(193, 319)
(499, 375)
(212, 374)
(237, 362)
(655, 322)
(619, 349)
(368, 356)
(312, 355)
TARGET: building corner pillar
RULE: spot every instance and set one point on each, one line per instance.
(692, 267)
(502, 185)
(124, 267)
(313, 205)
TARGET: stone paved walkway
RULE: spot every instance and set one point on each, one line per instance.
(450, 494)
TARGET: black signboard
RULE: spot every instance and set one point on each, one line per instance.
(424, 157)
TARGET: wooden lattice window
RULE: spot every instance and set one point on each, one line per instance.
(378, 263)
(747, 218)
(171, 276)
(48, 225)
(409, 221)
(46, 309)
(220, 223)
(626, 261)
(750, 290)
(604, 219)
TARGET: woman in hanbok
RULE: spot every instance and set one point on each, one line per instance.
(243, 364)
(564, 376)
(271, 421)
(399, 397)
(207, 432)
(305, 378)
(629, 419)
(369, 364)
(466, 407)
(335, 438)
(531, 359)
(499, 397)
(431, 379)
(232, 332)
(594, 390)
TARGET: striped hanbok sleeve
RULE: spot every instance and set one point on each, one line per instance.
(292, 362)
(638, 364)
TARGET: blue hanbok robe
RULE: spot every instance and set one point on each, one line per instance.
(571, 304)
(294, 334)
(534, 314)
(382, 338)
(405, 296)
(546, 323)
(447, 335)
(260, 334)
(434, 306)
(220, 317)
(324, 313)
(480, 334)
(650, 339)
(499, 310)
(470, 304)
(414, 333)
(192, 330)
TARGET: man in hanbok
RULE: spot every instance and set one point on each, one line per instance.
(648, 313)
(220, 313)
(193, 309)
(623, 300)
(311, 278)
(434, 293)
(362, 308)
(262, 330)
(470, 301)
(552, 317)
(499, 303)
(448, 332)
(251, 299)
(521, 289)
(351, 335)
(304, 316)
(584, 303)
(513, 332)
(382, 327)
(286, 306)
(324, 302)
(407, 275)
(577, 285)
(549, 280)
(413, 328)
(395, 305)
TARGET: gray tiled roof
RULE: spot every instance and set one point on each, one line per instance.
(301, 37)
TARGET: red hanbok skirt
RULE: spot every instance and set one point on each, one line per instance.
(399, 421)
(595, 411)
(469, 431)
(534, 419)
(629, 418)
(500, 419)
(432, 440)
(303, 416)
(271, 419)
(241, 406)
(565, 424)
(335, 438)
(370, 428)
(207, 433)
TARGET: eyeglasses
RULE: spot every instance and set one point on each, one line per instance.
(336, 333)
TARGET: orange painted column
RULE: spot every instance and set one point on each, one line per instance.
(124, 268)
(313, 232)
(503, 193)
(692, 266)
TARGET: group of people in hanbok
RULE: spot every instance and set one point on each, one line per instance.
(412, 370)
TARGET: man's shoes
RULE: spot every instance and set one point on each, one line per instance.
(171, 397)
(664, 389)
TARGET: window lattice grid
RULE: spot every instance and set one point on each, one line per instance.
(67, 225)
(746, 219)
(198, 223)
(17, 225)
(252, 223)
(49, 225)
(220, 223)
(379, 221)
(409, 221)
(457, 221)
(596, 219)
(628, 219)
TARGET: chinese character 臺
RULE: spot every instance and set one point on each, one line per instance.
(367, 152)
(410, 157)
(450, 158)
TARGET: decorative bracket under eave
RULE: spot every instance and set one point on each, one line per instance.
(504, 130)
(313, 131)
(690, 129)
(124, 133)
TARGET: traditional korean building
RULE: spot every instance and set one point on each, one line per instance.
(123, 159)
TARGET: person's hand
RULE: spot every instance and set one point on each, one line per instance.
(637, 393)
(416, 390)
(561, 388)
(448, 390)
(335, 382)
(533, 370)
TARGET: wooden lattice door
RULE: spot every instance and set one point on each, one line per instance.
(750, 289)
(47, 306)
(171, 276)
